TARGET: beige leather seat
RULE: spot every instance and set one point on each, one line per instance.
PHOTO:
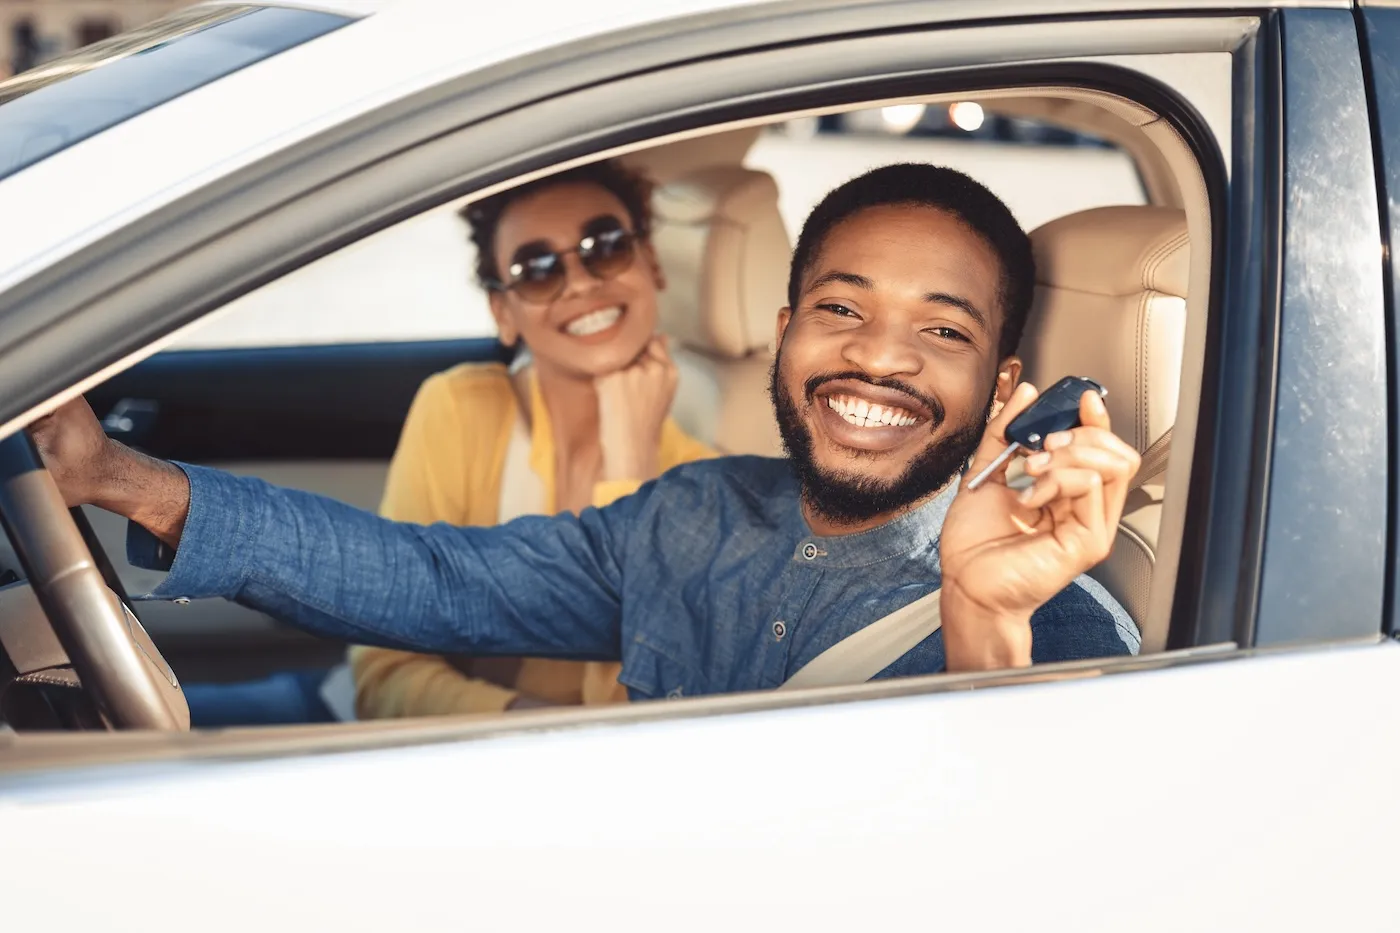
(724, 249)
(1111, 305)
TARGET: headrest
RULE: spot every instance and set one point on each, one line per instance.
(724, 250)
(1110, 305)
(1115, 251)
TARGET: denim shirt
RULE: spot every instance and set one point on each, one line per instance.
(707, 580)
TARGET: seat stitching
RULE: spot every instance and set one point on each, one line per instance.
(1162, 254)
(1147, 265)
(1140, 427)
(1140, 544)
(1158, 256)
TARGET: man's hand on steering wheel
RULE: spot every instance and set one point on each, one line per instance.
(92, 469)
(75, 450)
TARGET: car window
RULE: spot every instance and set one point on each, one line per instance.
(1041, 170)
(414, 281)
(64, 101)
(411, 282)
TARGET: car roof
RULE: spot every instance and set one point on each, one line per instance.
(393, 49)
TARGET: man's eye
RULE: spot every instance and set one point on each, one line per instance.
(947, 333)
(837, 309)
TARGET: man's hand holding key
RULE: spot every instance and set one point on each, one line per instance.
(1006, 552)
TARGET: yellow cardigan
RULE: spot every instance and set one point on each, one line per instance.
(448, 468)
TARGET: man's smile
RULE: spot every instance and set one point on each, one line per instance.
(861, 416)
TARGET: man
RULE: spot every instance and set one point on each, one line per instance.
(908, 293)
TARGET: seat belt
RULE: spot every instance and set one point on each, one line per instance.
(1154, 460)
(863, 654)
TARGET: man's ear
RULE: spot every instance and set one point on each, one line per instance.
(1008, 377)
(784, 316)
(506, 330)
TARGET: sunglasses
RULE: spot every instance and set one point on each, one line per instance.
(537, 274)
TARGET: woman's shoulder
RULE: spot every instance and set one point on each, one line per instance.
(476, 384)
(678, 447)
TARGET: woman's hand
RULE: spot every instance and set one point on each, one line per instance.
(1005, 553)
(632, 405)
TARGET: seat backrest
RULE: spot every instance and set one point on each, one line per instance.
(1110, 304)
(724, 249)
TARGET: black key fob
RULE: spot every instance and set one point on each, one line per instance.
(1057, 409)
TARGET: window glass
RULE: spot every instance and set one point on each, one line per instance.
(1041, 170)
(415, 281)
(64, 101)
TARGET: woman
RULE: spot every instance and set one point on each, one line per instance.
(572, 275)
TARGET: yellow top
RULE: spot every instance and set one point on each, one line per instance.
(447, 468)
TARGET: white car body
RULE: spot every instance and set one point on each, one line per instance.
(1230, 791)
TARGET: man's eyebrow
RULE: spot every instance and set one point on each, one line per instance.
(962, 304)
(844, 278)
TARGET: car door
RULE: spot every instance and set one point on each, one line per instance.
(321, 417)
(1379, 32)
(304, 383)
(1240, 782)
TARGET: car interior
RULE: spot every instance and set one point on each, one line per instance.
(1121, 296)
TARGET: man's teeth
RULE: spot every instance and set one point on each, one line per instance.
(862, 414)
(593, 322)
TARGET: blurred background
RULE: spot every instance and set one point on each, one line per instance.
(34, 31)
(414, 282)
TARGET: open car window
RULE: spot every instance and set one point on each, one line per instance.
(422, 267)
(67, 100)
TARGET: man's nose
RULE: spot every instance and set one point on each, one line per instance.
(882, 350)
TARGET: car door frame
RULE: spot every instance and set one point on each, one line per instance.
(322, 194)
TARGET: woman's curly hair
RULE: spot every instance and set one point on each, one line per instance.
(630, 187)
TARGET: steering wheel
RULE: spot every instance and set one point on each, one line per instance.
(119, 666)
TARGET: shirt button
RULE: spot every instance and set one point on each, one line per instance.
(810, 551)
(779, 630)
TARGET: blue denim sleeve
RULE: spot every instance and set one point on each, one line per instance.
(1082, 621)
(544, 586)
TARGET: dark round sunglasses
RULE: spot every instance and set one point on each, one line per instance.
(537, 274)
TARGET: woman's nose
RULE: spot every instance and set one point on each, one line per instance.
(577, 279)
(882, 350)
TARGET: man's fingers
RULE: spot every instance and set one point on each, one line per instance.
(1073, 496)
(1091, 436)
(994, 438)
(1092, 411)
(1111, 464)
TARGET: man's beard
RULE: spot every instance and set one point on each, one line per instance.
(848, 497)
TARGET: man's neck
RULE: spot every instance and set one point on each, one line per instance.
(824, 527)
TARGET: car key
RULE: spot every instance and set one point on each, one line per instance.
(1057, 409)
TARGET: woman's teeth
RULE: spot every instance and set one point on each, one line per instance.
(862, 414)
(593, 322)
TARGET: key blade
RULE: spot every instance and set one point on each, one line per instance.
(992, 467)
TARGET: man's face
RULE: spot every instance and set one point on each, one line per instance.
(887, 369)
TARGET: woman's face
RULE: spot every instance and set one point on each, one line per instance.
(596, 324)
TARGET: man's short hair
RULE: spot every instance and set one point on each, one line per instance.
(920, 185)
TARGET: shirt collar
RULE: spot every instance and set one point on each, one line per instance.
(913, 531)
